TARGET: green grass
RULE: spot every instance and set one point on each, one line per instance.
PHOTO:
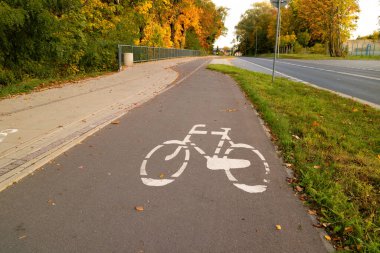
(336, 158)
(31, 85)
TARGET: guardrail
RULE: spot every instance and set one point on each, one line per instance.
(144, 53)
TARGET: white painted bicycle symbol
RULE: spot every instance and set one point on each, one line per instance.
(5, 132)
(172, 149)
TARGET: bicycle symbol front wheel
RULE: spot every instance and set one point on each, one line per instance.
(253, 178)
(164, 163)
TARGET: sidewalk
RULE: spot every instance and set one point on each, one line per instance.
(45, 124)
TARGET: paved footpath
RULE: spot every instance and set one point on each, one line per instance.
(36, 127)
(191, 170)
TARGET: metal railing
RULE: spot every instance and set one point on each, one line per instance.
(143, 53)
(363, 48)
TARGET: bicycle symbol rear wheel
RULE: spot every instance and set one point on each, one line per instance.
(164, 163)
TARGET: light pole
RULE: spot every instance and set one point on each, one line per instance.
(279, 3)
(256, 42)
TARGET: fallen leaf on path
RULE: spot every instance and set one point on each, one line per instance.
(162, 175)
(51, 202)
(229, 110)
(312, 212)
(22, 237)
(115, 122)
(299, 188)
(278, 227)
(328, 238)
(288, 165)
(139, 208)
(80, 167)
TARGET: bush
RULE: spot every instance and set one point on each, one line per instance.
(318, 48)
(6, 77)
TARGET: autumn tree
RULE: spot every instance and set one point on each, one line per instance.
(330, 20)
(254, 24)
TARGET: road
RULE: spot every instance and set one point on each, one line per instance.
(115, 192)
(359, 79)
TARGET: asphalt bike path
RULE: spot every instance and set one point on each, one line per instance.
(356, 79)
(192, 170)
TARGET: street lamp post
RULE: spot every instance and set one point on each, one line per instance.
(279, 3)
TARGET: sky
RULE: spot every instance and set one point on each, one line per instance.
(368, 18)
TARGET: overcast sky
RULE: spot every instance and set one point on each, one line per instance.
(368, 17)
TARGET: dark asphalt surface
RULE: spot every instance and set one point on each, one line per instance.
(84, 201)
(347, 77)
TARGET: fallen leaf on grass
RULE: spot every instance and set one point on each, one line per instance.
(378, 156)
(348, 229)
(278, 227)
(312, 212)
(326, 224)
(296, 137)
(299, 188)
(315, 124)
(139, 208)
(289, 165)
(303, 197)
(317, 166)
(328, 238)
(354, 110)
(115, 122)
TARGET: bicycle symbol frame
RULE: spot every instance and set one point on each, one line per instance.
(215, 162)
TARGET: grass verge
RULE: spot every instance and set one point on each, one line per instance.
(333, 146)
(320, 57)
(31, 85)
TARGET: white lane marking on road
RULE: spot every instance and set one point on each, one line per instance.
(329, 70)
(4, 133)
(321, 88)
(279, 73)
(259, 154)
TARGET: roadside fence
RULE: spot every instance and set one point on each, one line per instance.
(363, 47)
(132, 54)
